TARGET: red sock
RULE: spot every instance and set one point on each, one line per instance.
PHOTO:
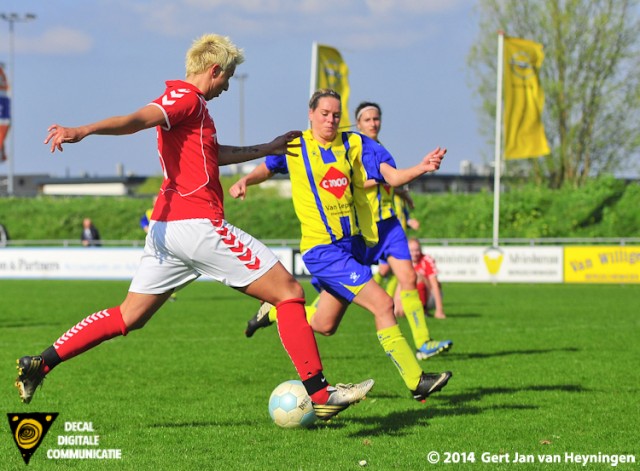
(89, 332)
(299, 341)
(320, 397)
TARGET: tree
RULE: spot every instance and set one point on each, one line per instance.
(590, 76)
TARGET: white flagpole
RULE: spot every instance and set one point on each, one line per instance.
(314, 71)
(498, 143)
(314, 68)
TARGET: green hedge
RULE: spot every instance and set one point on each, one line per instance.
(606, 207)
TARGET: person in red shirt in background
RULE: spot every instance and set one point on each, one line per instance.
(429, 288)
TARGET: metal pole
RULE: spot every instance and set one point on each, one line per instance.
(12, 136)
(498, 136)
(13, 18)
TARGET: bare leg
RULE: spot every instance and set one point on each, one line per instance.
(138, 308)
(374, 299)
(275, 286)
(329, 314)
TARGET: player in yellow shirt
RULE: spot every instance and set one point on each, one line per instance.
(328, 174)
(393, 246)
(403, 203)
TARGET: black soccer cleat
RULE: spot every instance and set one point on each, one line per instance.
(429, 384)
(259, 320)
(30, 376)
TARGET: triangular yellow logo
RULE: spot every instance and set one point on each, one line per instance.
(28, 430)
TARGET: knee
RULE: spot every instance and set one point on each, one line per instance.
(326, 329)
(386, 304)
(408, 279)
(292, 290)
(384, 307)
(327, 332)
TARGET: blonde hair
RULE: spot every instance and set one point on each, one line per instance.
(211, 49)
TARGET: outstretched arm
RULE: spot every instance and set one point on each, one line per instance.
(258, 175)
(397, 177)
(280, 145)
(144, 118)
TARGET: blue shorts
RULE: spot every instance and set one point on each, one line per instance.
(393, 242)
(338, 267)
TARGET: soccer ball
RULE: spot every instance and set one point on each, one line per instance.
(290, 406)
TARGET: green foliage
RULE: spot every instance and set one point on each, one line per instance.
(624, 216)
(604, 207)
(150, 186)
(537, 369)
(61, 218)
(590, 77)
(453, 215)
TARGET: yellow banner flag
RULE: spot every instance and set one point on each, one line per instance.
(332, 72)
(523, 100)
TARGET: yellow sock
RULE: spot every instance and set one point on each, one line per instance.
(399, 352)
(273, 314)
(377, 277)
(414, 310)
(310, 310)
(392, 284)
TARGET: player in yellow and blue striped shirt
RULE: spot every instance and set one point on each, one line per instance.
(393, 246)
(328, 174)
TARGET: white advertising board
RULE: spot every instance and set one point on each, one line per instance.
(69, 263)
(96, 263)
(455, 264)
(504, 264)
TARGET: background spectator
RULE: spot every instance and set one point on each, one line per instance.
(90, 236)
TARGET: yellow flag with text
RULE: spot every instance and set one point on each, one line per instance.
(332, 72)
(523, 100)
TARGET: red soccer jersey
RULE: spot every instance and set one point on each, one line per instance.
(188, 151)
(426, 266)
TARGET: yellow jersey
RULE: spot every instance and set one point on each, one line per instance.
(327, 184)
(402, 211)
(381, 199)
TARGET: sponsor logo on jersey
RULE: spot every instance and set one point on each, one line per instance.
(335, 182)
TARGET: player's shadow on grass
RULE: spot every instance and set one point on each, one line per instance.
(317, 425)
(477, 394)
(396, 423)
(21, 325)
(443, 405)
(456, 315)
(185, 296)
(482, 356)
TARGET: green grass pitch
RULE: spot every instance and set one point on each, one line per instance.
(538, 370)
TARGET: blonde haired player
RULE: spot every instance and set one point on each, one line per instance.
(188, 235)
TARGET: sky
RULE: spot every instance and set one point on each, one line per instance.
(79, 62)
